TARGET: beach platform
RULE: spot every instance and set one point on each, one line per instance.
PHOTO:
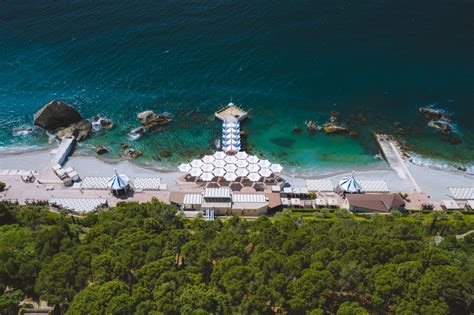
(231, 113)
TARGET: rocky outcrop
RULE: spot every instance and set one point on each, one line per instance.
(56, 114)
(99, 123)
(22, 131)
(137, 133)
(80, 130)
(433, 113)
(101, 149)
(165, 154)
(442, 126)
(149, 119)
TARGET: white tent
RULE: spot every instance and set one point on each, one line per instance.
(264, 163)
(242, 155)
(208, 159)
(350, 184)
(242, 163)
(230, 168)
(184, 168)
(196, 163)
(252, 159)
(230, 159)
(118, 184)
(230, 176)
(207, 167)
(218, 171)
(254, 177)
(242, 172)
(219, 155)
(219, 163)
(276, 168)
(207, 176)
(265, 172)
(195, 171)
(253, 168)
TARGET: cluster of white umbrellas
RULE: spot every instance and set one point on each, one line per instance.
(231, 137)
(230, 167)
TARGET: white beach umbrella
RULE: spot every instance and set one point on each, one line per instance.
(264, 163)
(196, 163)
(242, 172)
(218, 171)
(207, 177)
(253, 168)
(252, 159)
(230, 177)
(230, 159)
(208, 167)
(242, 163)
(230, 168)
(276, 168)
(350, 184)
(242, 155)
(219, 155)
(208, 159)
(195, 171)
(254, 177)
(184, 168)
(265, 172)
(219, 163)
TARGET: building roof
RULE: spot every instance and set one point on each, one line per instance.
(222, 192)
(450, 204)
(376, 202)
(374, 186)
(249, 198)
(461, 193)
(192, 199)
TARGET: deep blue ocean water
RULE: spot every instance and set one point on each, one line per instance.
(375, 62)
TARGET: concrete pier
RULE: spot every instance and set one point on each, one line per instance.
(392, 155)
(231, 113)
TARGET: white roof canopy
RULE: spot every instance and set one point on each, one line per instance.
(253, 168)
(242, 163)
(218, 171)
(219, 163)
(242, 172)
(254, 177)
(208, 159)
(196, 163)
(230, 159)
(276, 168)
(252, 159)
(207, 176)
(230, 176)
(207, 167)
(241, 155)
(219, 155)
(265, 172)
(184, 168)
(195, 171)
(264, 163)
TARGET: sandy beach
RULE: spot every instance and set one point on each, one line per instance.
(432, 182)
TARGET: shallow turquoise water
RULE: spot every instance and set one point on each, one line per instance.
(375, 62)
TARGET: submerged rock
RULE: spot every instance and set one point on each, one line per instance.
(353, 133)
(22, 131)
(101, 149)
(149, 119)
(443, 126)
(131, 153)
(137, 133)
(165, 154)
(56, 114)
(124, 145)
(80, 130)
(296, 129)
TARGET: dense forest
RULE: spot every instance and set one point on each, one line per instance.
(146, 259)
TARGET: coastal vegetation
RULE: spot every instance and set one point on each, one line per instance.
(147, 259)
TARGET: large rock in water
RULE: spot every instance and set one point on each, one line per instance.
(80, 130)
(150, 119)
(56, 114)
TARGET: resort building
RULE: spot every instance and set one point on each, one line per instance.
(383, 203)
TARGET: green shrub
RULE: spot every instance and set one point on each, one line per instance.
(457, 215)
(2, 186)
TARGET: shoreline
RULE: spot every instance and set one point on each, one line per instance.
(433, 182)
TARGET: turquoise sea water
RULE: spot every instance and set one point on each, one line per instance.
(375, 62)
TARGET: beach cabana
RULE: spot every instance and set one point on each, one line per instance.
(184, 168)
(350, 185)
(118, 184)
(242, 155)
(218, 172)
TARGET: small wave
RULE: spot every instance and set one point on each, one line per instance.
(441, 165)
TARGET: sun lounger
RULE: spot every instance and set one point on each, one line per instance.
(321, 203)
(333, 203)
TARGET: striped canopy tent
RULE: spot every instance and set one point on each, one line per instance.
(350, 184)
(118, 184)
(184, 168)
